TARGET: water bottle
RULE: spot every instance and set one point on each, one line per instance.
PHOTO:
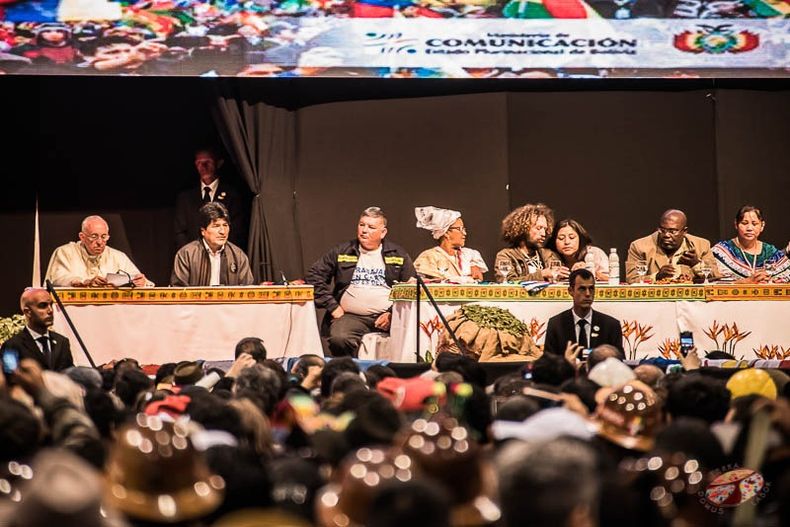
(614, 267)
(589, 261)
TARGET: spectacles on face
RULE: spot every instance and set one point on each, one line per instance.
(459, 229)
(671, 232)
(96, 237)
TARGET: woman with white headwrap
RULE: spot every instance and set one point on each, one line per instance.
(450, 260)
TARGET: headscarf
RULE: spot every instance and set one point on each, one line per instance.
(435, 219)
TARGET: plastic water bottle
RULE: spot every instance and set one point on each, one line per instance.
(614, 267)
(589, 262)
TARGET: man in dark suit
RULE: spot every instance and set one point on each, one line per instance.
(212, 189)
(36, 341)
(581, 324)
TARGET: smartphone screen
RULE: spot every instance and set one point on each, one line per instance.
(686, 342)
(10, 361)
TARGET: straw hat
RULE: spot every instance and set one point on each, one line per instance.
(155, 474)
(629, 417)
(444, 451)
(62, 491)
(347, 503)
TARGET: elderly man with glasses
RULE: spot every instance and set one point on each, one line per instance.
(671, 254)
(87, 263)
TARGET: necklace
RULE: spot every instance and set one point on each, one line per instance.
(753, 264)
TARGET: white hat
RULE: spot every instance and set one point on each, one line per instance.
(435, 219)
(611, 372)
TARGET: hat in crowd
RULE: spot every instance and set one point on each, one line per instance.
(347, 502)
(611, 372)
(545, 425)
(445, 452)
(435, 219)
(155, 474)
(752, 381)
(409, 395)
(171, 407)
(64, 491)
(629, 417)
(187, 372)
(88, 378)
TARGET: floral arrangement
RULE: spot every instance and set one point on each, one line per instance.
(730, 335)
(634, 334)
(772, 352)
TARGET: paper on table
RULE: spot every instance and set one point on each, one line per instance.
(119, 280)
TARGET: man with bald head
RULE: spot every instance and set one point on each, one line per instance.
(36, 341)
(671, 253)
(87, 262)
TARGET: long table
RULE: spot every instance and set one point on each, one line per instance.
(752, 322)
(158, 325)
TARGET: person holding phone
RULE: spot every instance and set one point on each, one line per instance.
(51, 350)
(671, 254)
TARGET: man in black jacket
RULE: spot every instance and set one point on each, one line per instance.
(363, 271)
(581, 324)
(212, 189)
(51, 350)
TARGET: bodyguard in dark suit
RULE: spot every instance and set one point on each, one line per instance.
(36, 341)
(581, 324)
(212, 189)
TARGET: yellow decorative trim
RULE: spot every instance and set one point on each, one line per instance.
(341, 258)
(603, 293)
(393, 260)
(188, 295)
(748, 292)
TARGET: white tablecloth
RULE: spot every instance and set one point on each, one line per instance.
(159, 333)
(758, 322)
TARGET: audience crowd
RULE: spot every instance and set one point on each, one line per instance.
(342, 443)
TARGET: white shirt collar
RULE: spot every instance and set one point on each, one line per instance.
(210, 252)
(577, 318)
(213, 188)
(36, 335)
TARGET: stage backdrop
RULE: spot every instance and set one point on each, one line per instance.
(397, 38)
(613, 160)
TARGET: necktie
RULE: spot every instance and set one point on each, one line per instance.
(44, 341)
(582, 340)
(206, 194)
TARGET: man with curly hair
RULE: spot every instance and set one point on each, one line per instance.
(526, 230)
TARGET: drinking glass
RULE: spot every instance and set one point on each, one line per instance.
(554, 267)
(503, 269)
(641, 271)
(705, 270)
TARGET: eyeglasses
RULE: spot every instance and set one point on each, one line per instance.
(459, 229)
(673, 232)
(96, 237)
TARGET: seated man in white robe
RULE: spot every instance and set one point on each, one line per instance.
(87, 263)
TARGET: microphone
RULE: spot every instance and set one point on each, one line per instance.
(282, 276)
(49, 286)
(131, 283)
